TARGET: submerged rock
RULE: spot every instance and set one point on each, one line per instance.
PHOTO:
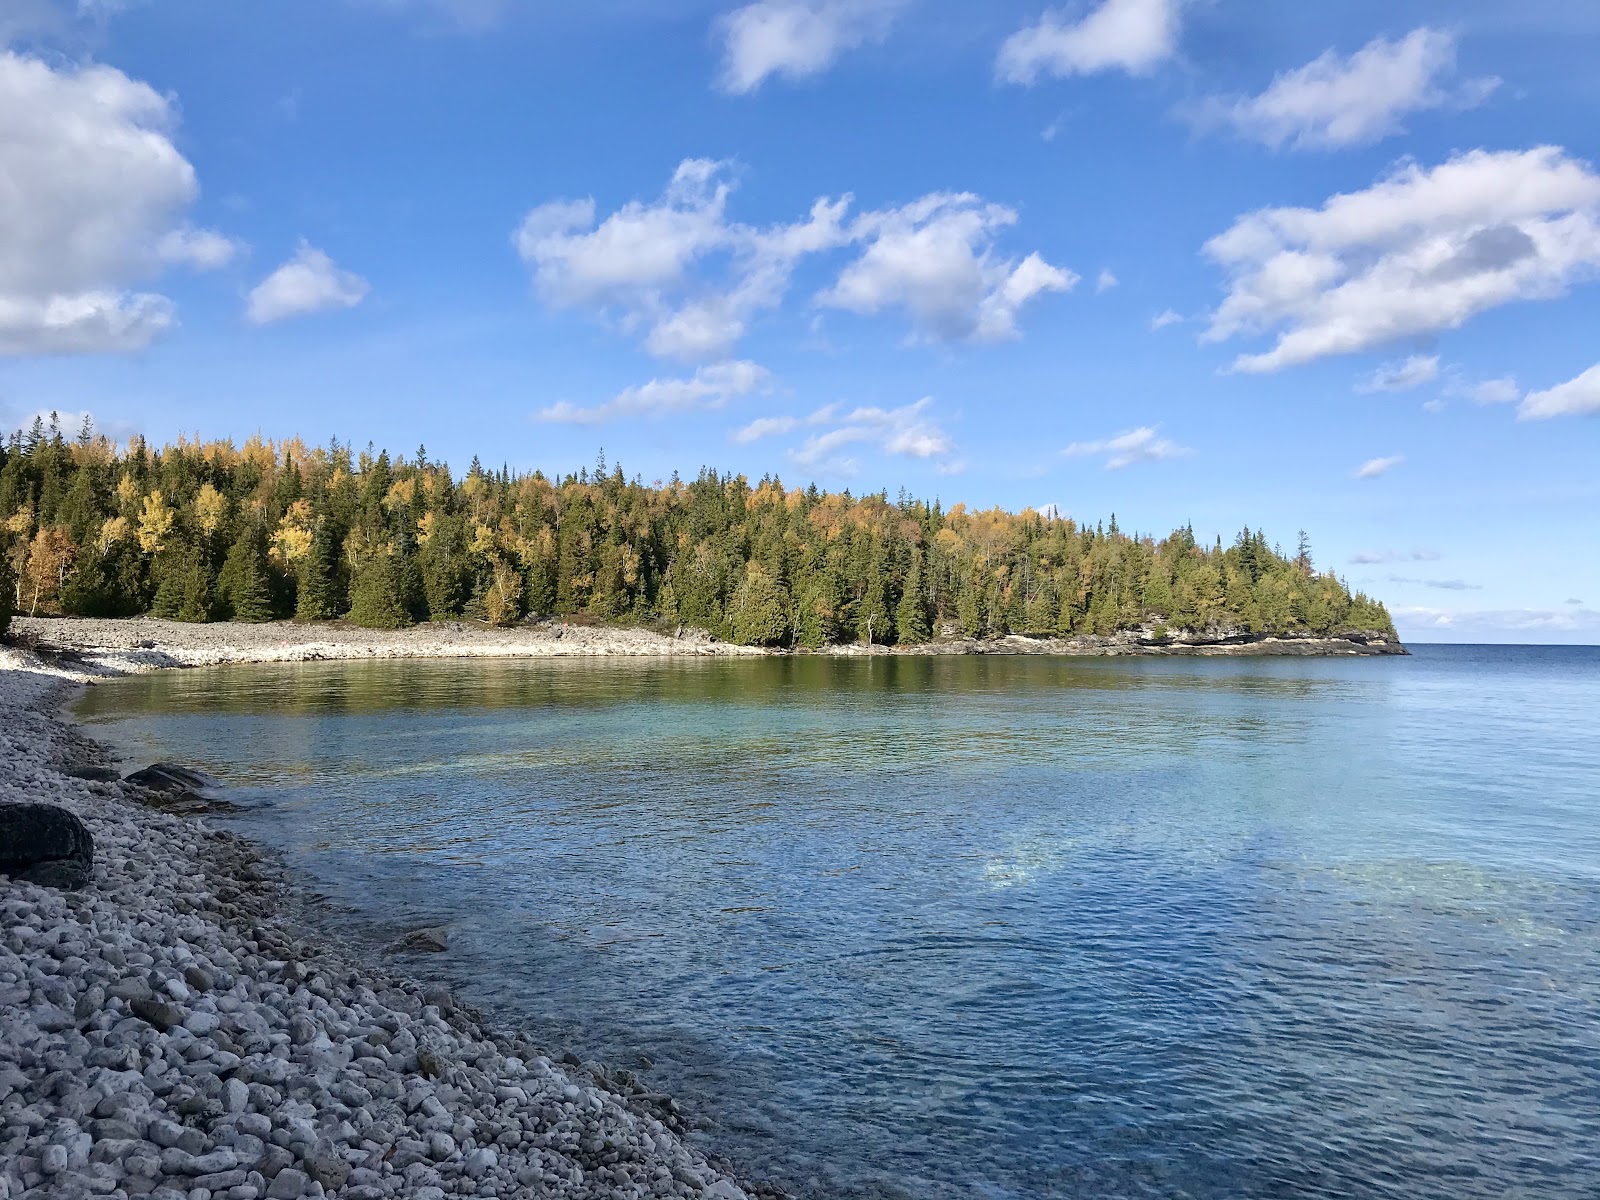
(423, 941)
(174, 788)
(44, 844)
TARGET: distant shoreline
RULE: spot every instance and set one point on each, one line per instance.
(92, 648)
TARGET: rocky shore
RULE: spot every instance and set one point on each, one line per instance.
(170, 1029)
(90, 648)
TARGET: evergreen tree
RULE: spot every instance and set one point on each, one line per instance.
(376, 600)
(911, 623)
(244, 590)
(758, 614)
(316, 594)
(872, 614)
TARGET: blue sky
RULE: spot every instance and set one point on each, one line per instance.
(1324, 267)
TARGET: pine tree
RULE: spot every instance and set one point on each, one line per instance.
(244, 590)
(911, 616)
(376, 601)
(315, 595)
(758, 614)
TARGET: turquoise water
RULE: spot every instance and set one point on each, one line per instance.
(987, 927)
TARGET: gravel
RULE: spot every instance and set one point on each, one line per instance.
(170, 1032)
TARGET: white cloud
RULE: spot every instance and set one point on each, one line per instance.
(202, 249)
(1580, 396)
(310, 282)
(1402, 376)
(1140, 445)
(1569, 624)
(935, 258)
(1417, 253)
(1106, 281)
(1371, 557)
(1166, 317)
(764, 427)
(92, 204)
(688, 279)
(796, 38)
(1333, 102)
(1435, 405)
(640, 264)
(1495, 391)
(710, 387)
(1121, 35)
(909, 431)
(1375, 467)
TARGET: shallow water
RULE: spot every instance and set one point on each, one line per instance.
(988, 927)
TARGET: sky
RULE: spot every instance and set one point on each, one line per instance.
(1220, 262)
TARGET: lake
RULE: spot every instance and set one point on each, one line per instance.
(985, 927)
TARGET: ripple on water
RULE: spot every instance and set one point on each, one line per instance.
(989, 928)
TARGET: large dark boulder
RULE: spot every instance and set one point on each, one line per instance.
(43, 844)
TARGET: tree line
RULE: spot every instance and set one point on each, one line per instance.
(209, 531)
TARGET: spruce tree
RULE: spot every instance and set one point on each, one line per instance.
(315, 598)
(375, 594)
(244, 589)
(758, 614)
(911, 623)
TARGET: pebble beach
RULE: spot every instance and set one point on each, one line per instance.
(174, 1029)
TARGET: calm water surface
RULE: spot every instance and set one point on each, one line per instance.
(984, 928)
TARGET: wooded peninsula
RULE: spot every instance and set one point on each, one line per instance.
(207, 531)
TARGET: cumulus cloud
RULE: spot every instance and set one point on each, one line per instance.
(709, 388)
(1419, 252)
(1140, 445)
(1105, 281)
(765, 427)
(1402, 376)
(1375, 467)
(1371, 557)
(935, 258)
(1134, 36)
(1576, 397)
(1333, 102)
(310, 282)
(1166, 317)
(93, 204)
(796, 39)
(910, 431)
(681, 273)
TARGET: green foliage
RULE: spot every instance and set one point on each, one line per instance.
(758, 613)
(244, 591)
(316, 590)
(198, 532)
(376, 599)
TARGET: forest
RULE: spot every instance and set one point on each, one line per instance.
(210, 531)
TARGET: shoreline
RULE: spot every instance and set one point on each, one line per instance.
(86, 648)
(182, 1028)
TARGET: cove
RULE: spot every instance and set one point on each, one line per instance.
(984, 927)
